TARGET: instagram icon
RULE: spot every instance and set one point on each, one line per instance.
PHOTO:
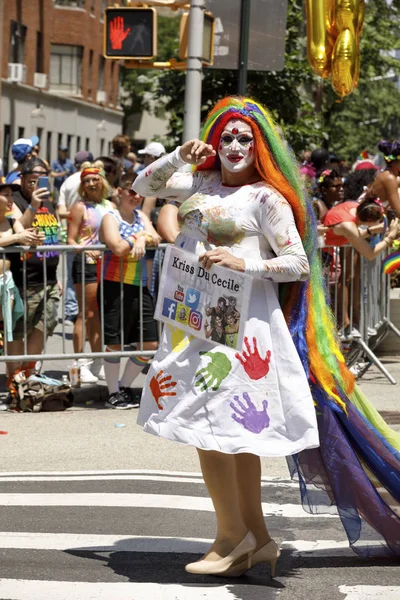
(195, 320)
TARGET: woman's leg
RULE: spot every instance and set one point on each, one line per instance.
(111, 368)
(248, 478)
(136, 364)
(92, 323)
(77, 334)
(92, 316)
(219, 473)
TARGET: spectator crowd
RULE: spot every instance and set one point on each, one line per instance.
(89, 201)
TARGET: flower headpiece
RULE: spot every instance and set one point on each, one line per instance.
(324, 174)
(391, 157)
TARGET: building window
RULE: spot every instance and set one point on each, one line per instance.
(87, 144)
(17, 43)
(90, 74)
(59, 140)
(21, 131)
(102, 142)
(92, 7)
(70, 3)
(78, 143)
(48, 147)
(65, 68)
(6, 146)
(39, 133)
(102, 65)
(39, 52)
(104, 4)
(69, 143)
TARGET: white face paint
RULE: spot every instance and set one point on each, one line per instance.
(236, 146)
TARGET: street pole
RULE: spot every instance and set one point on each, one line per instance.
(244, 46)
(194, 71)
(1, 74)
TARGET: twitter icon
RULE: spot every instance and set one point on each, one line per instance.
(192, 298)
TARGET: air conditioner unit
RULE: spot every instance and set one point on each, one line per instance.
(40, 80)
(16, 72)
(101, 97)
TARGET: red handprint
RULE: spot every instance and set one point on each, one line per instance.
(159, 387)
(117, 33)
(255, 366)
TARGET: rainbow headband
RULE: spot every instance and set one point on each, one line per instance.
(391, 263)
(92, 171)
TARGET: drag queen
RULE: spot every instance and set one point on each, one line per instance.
(243, 208)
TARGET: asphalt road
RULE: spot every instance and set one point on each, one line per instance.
(120, 536)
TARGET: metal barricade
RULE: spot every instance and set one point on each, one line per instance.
(358, 291)
(63, 251)
(359, 295)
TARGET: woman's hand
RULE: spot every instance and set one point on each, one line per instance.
(222, 258)
(30, 237)
(196, 152)
(93, 254)
(394, 230)
(139, 248)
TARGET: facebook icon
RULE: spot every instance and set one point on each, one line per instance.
(169, 308)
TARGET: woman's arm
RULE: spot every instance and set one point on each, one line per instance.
(149, 229)
(74, 223)
(167, 224)
(148, 204)
(278, 226)
(160, 179)
(350, 231)
(392, 192)
(110, 236)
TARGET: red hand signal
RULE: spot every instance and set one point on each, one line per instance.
(117, 33)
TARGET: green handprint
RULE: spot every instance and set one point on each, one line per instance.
(215, 372)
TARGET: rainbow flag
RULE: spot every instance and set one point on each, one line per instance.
(391, 263)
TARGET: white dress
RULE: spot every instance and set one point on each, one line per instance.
(208, 395)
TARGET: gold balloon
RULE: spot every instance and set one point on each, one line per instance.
(319, 40)
(346, 15)
(344, 61)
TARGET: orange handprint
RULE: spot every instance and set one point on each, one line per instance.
(255, 366)
(159, 387)
(117, 33)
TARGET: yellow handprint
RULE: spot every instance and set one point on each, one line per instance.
(179, 339)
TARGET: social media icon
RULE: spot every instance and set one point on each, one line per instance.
(195, 319)
(192, 298)
(178, 295)
(182, 314)
(169, 308)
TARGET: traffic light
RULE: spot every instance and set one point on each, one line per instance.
(130, 32)
(208, 38)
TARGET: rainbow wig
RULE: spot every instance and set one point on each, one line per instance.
(304, 304)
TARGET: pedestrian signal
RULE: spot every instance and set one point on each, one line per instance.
(208, 38)
(130, 32)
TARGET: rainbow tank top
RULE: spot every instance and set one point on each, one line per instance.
(124, 269)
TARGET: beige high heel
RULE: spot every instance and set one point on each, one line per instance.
(243, 550)
(268, 553)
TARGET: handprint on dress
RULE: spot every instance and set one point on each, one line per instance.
(252, 419)
(159, 387)
(255, 366)
(215, 372)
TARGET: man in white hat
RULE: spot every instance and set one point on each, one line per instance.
(150, 153)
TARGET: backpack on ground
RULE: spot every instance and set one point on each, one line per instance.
(40, 393)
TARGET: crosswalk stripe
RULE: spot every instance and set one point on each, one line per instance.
(164, 501)
(18, 589)
(370, 592)
(179, 479)
(132, 543)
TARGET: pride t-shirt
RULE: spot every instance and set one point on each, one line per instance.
(132, 270)
(45, 220)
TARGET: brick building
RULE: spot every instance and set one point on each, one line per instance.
(55, 82)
